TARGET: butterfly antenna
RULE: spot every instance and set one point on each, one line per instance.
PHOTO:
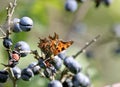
(86, 45)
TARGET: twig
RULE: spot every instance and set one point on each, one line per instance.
(86, 45)
(11, 74)
(79, 52)
(13, 8)
(10, 10)
(2, 31)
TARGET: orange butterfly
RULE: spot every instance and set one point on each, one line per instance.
(53, 45)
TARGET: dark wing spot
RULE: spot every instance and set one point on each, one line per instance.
(63, 48)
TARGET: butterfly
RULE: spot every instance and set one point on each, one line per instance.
(53, 45)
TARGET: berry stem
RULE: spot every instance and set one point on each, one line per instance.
(86, 45)
(35, 52)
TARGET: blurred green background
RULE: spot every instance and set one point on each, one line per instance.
(49, 16)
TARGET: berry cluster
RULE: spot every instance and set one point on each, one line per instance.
(72, 5)
(20, 49)
(71, 76)
(49, 63)
(49, 67)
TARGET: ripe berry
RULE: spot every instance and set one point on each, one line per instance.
(17, 72)
(22, 47)
(57, 62)
(7, 42)
(3, 76)
(62, 55)
(68, 83)
(27, 74)
(34, 67)
(55, 83)
(16, 25)
(26, 23)
(72, 64)
(80, 80)
(71, 5)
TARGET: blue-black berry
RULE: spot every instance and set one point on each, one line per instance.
(72, 64)
(62, 55)
(26, 23)
(34, 67)
(7, 42)
(71, 5)
(17, 72)
(16, 25)
(3, 76)
(67, 83)
(22, 47)
(57, 62)
(26, 74)
(55, 83)
(80, 80)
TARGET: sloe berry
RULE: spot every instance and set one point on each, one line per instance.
(71, 5)
(80, 80)
(7, 42)
(34, 67)
(26, 23)
(16, 25)
(55, 83)
(3, 76)
(72, 64)
(22, 46)
(26, 74)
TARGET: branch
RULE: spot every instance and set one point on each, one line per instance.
(86, 45)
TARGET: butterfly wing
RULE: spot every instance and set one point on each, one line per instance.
(53, 45)
(62, 46)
